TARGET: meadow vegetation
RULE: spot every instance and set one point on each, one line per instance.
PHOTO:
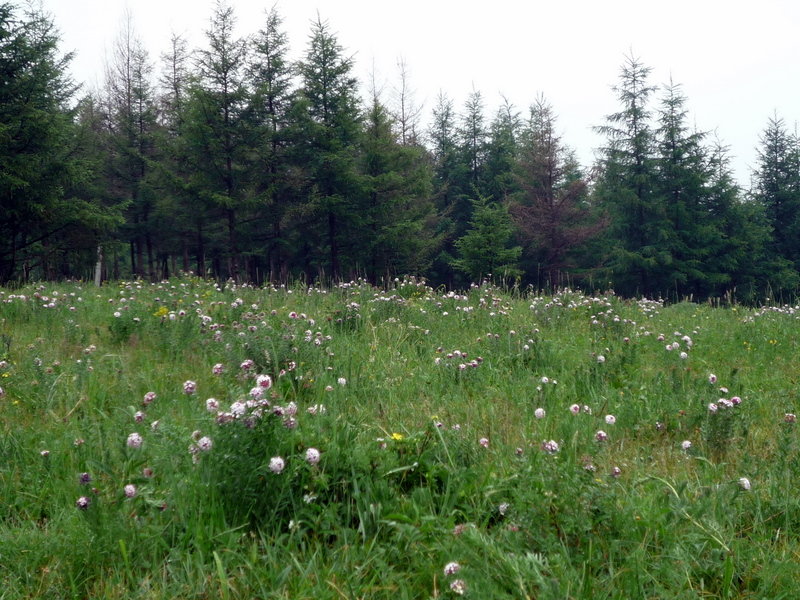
(185, 439)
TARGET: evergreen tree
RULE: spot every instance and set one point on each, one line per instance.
(498, 179)
(777, 188)
(271, 76)
(40, 165)
(639, 232)
(180, 221)
(397, 179)
(473, 137)
(484, 249)
(220, 135)
(741, 252)
(327, 123)
(683, 179)
(451, 191)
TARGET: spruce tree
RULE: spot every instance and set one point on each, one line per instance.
(270, 73)
(484, 250)
(639, 232)
(40, 161)
(777, 188)
(328, 125)
(220, 135)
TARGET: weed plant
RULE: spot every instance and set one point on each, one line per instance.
(191, 440)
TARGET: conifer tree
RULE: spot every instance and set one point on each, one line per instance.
(270, 73)
(777, 188)
(327, 121)
(130, 108)
(40, 164)
(397, 180)
(551, 210)
(638, 250)
(484, 250)
(220, 135)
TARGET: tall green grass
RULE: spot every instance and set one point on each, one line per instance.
(551, 446)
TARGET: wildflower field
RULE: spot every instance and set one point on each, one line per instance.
(184, 440)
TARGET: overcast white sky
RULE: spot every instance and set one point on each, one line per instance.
(739, 63)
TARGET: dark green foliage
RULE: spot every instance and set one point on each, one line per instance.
(46, 204)
(777, 189)
(484, 249)
(327, 121)
(241, 164)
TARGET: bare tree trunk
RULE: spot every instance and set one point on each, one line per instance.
(98, 268)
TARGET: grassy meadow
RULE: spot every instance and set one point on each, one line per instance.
(184, 440)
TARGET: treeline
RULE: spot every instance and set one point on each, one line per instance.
(234, 162)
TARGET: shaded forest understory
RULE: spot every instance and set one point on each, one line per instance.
(234, 162)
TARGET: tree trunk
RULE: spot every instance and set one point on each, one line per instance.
(98, 268)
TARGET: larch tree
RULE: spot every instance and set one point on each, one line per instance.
(551, 209)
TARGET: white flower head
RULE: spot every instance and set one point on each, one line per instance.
(276, 464)
(312, 456)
